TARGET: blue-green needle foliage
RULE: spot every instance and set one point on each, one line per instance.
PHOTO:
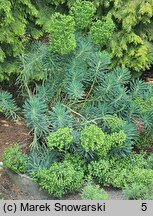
(7, 105)
(81, 88)
(60, 117)
(34, 111)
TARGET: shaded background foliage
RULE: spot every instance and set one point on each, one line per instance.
(123, 28)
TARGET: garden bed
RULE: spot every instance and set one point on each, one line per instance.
(27, 185)
(9, 190)
(31, 189)
(13, 132)
(74, 84)
(20, 187)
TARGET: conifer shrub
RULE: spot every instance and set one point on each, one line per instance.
(16, 17)
(133, 33)
(125, 34)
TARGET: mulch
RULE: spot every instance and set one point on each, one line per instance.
(12, 132)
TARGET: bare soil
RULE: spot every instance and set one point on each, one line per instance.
(9, 191)
(13, 132)
(10, 133)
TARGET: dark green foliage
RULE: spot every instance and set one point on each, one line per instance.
(144, 142)
(61, 178)
(93, 192)
(14, 159)
(7, 105)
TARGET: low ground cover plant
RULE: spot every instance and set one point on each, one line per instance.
(61, 178)
(93, 192)
(138, 191)
(14, 159)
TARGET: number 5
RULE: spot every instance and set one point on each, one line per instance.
(144, 207)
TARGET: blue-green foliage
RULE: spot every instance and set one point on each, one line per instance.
(81, 89)
(35, 110)
(7, 105)
(60, 117)
(41, 159)
(35, 113)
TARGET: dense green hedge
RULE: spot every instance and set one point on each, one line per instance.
(16, 28)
